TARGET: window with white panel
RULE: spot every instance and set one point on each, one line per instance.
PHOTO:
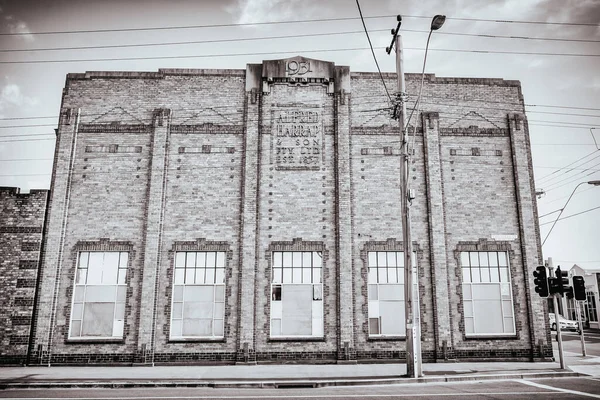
(487, 293)
(99, 295)
(198, 301)
(297, 294)
(386, 293)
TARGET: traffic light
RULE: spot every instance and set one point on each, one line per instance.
(563, 281)
(541, 281)
(569, 292)
(579, 287)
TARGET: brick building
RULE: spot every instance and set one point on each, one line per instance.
(254, 215)
(21, 224)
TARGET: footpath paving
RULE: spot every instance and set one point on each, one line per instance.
(289, 375)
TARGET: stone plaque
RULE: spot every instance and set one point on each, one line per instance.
(297, 138)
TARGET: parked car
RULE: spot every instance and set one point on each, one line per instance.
(565, 324)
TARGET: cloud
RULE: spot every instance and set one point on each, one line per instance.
(11, 96)
(15, 25)
(250, 11)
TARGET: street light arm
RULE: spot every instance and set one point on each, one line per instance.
(561, 211)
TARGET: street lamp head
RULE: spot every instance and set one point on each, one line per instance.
(437, 22)
(595, 183)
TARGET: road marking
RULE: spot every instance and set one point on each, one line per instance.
(541, 386)
(320, 396)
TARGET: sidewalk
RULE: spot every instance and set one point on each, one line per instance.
(287, 375)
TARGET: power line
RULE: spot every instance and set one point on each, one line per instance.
(572, 181)
(286, 22)
(572, 215)
(554, 106)
(157, 28)
(569, 178)
(356, 96)
(242, 39)
(568, 165)
(288, 52)
(373, 52)
(564, 197)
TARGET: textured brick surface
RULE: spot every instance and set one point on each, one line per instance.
(154, 160)
(21, 225)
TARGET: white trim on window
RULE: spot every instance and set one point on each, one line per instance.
(296, 294)
(99, 294)
(198, 297)
(487, 294)
(385, 286)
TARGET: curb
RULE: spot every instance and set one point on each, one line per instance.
(281, 383)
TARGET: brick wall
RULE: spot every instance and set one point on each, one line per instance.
(155, 161)
(21, 225)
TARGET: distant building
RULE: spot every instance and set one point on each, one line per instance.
(589, 308)
(21, 224)
(254, 216)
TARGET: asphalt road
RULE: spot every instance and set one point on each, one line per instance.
(557, 388)
(572, 342)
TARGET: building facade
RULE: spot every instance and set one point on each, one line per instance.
(21, 224)
(588, 309)
(254, 216)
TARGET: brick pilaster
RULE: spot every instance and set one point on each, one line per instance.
(154, 208)
(528, 223)
(437, 232)
(248, 220)
(343, 217)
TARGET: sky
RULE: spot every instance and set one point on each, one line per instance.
(551, 46)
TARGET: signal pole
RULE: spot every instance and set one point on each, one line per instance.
(413, 336)
(555, 296)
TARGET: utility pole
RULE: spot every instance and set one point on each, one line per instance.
(413, 339)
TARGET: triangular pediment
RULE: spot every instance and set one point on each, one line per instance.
(117, 115)
(208, 115)
(298, 67)
(473, 119)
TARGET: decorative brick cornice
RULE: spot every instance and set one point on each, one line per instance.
(115, 128)
(297, 244)
(103, 244)
(483, 245)
(201, 244)
(20, 229)
(208, 128)
(475, 131)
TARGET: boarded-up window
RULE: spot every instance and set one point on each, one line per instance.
(99, 295)
(297, 294)
(386, 293)
(198, 306)
(487, 293)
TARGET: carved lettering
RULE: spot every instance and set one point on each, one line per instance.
(297, 138)
(297, 67)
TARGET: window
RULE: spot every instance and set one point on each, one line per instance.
(487, 296)
(591, 305)
(99, 296)
(198, 308)
(297, 294)
(386, 293)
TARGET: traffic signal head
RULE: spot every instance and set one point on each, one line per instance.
(541, 281)
(569, 292)
(563, 280)
(579, 287)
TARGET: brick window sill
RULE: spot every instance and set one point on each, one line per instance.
(197, 340)
(296, 339)
(386, 338)
(95, 341)
(492, 337)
